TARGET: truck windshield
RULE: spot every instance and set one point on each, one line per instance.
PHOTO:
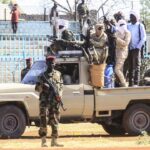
(32, 76)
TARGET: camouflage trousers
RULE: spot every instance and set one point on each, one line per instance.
(49, 115)
(119, 70)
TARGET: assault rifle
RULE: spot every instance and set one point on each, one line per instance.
(54, 92)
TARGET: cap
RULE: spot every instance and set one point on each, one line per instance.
(50, 58)
(28, 59)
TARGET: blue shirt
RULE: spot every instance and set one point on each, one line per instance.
(137, 40)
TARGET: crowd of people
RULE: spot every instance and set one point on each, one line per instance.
(118, 42)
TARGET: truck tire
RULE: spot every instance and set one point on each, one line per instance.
(113, 130)
(137, 119)
(12, 122)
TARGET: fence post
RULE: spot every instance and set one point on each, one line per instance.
(44, 14)
(5, 14)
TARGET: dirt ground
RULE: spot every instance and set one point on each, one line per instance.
(78, 136)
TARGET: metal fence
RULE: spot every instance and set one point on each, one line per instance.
(14, 49)
(29, 41)
(35, 27)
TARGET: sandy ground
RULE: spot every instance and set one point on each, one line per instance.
(78, 136)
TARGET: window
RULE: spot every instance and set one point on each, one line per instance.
(70, 72)
(32, 76)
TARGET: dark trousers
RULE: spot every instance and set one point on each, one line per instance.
(14, 26)
(55, 34)
(134, 60)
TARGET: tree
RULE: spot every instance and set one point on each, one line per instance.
(145, 13)
(5, 1)
(110, 6)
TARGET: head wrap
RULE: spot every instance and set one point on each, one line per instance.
(119, 15)
(136, 14)
(99, 25)
(63, 23)
(122, 26)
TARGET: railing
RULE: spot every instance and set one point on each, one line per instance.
(14, 49)
(28, 42)
(34, 27)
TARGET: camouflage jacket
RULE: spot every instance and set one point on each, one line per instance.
(53, 77)
(82, 10)
(99, 42)
(68, 35)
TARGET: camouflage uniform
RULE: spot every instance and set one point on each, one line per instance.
(25, 70)
(49, 107)
(54, 19)
(68, 35)
(100, 44)
(83, 13)
(67, 38)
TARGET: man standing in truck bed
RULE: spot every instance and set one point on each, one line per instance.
(49, 103)
(54, 19)
(83, 13)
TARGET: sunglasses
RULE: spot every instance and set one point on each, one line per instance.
(122, 24)
(100, 28)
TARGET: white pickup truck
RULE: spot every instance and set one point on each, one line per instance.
(118, 110)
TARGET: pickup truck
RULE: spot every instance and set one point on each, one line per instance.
(119, 110)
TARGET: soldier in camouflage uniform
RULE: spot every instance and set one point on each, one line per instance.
(49, 106)
(54, 19)
(67, 37)
(25, 70)
(65, 33)
(83, 13)
(100, 41)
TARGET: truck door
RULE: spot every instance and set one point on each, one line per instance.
(73, 93)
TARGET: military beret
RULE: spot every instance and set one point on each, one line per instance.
(50, 58)
(28, 59)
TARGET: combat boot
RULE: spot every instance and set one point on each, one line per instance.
(54, 143)
(43, 144)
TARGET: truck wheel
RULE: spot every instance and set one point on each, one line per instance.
(137, 119)
(113, 130)
(12, 122)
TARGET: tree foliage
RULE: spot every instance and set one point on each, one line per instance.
(145, 13)
(5, 1)
(109, 6)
